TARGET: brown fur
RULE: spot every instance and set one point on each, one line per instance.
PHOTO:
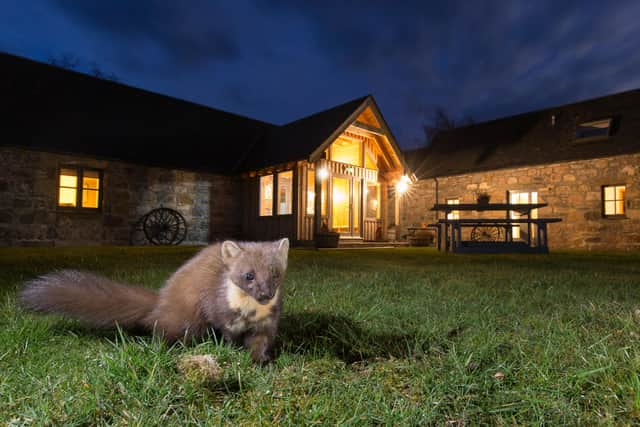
(231, 287)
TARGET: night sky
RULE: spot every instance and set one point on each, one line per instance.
(279, 60)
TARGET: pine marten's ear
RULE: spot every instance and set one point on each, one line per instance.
(283, 247)
(230, 250)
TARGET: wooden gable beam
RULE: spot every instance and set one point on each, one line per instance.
(368, 128)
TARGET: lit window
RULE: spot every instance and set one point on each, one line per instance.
(266, 195)
(347, 151)
(72, 195)
(453, 214)
(285, 190)
(90, 189)
(519, 198)
(311, 192)
(613, 200)
(68, 192)
(323, 197)
(595, 129)
(370, 157)
(373, 200)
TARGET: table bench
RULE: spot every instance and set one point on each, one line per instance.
(492, 238)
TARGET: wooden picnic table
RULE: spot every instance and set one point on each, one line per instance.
(486, 233)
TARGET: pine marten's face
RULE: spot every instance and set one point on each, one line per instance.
(257, 268)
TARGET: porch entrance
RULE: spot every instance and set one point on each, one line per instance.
(346, 215)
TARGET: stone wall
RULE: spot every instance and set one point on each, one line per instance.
(28, 201)
(573, 191)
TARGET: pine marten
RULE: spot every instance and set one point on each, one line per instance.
(230, 287)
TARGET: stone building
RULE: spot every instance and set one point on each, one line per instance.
(83, 159)
(582, 159)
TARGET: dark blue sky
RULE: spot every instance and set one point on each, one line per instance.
(278, 60)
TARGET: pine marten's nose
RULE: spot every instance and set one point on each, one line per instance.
(265, 295)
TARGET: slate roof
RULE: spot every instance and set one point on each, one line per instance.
(298, 139)
(53, 109)
(531, 138)
(59, 110)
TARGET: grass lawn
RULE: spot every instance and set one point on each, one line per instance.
(386, 336)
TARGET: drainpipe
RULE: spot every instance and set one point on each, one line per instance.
(435, 180)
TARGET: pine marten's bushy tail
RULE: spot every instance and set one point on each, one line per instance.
(88, 297)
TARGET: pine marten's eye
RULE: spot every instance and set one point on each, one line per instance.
(249, 277)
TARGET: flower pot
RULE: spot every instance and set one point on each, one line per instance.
(483, 199)
(421, 238)
(327, 239)
(391, 234)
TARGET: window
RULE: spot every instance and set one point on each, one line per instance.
(323, 197)
(79, 188)
(613, 200)
(518, 231)
(595, 129)
(347, 151)
(453, 214)
(266, 195)
(370, 157)
(285, 190)
(372, 195)
(311, 192)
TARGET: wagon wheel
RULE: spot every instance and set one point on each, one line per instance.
(481, 233)
(164, 226)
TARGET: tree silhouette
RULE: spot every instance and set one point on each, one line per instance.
(71, 62)
(440, 121)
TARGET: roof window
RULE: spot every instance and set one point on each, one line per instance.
(595, 129)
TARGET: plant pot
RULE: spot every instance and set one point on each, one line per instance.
(327, 239)
(484, 199)
(421, 238)
(391, 234)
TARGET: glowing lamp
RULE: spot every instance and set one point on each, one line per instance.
(402, 186)
(323, 173)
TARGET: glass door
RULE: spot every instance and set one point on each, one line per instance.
(345, 205)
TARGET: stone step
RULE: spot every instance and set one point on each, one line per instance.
(360, 244)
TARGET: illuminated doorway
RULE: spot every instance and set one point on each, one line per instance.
(345, 206)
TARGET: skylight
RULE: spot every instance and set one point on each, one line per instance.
(594, 129)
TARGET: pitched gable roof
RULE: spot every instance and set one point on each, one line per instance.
(54, 109)
(307, 138)
(532, 138)
(298, 139)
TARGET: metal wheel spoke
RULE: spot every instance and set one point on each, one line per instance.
(164, 226)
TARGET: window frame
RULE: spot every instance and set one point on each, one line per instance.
(277, 195)
(260, 198)
(577, 138)
(378, 195)
(623, 215)
(80, 172)
(454, 214)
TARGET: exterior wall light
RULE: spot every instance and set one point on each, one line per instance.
(402, 186)
(323, 173)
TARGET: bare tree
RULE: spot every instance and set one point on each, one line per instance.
(67, 61)
(96, 71)
(71, 62)
(440, 121)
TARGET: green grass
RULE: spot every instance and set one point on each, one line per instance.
(393, 337)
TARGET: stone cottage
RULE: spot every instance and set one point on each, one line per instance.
(84, 159)
(581, 159)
